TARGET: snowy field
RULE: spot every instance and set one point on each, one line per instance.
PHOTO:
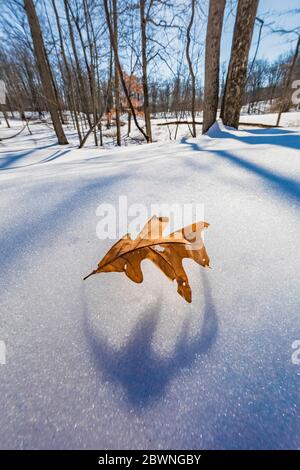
(109, 364)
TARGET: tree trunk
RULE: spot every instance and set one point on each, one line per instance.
(191, 70)
(212, 62)
(237, 70)
(144, 69)
(117, 83)
(83, 98)
(44, 70)
(5, 116)
(91, 67)
(129, 124)
(121, 75)
(69, 75)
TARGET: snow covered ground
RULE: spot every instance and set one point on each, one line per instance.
(110, 364)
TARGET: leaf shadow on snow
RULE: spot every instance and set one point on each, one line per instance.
(141, 372)
(282, 185)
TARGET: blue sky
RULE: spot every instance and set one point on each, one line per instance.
(276, 14)
(271, 45)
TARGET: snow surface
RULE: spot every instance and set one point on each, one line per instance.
(110, 364)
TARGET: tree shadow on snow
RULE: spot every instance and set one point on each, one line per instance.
(279, 137)
(142, 373)
(8, 161)
(42, 227)
(269, 131)
(282, 185)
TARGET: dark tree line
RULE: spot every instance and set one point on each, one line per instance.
(92, 62)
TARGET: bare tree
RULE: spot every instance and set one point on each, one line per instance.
(237, 70)
(44, 70)
(69, 80)
(212, 62)
(117, 82)
(120, 71)
(143, 19)
(191, 69)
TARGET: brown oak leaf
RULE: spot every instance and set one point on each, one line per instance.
(166, 252)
